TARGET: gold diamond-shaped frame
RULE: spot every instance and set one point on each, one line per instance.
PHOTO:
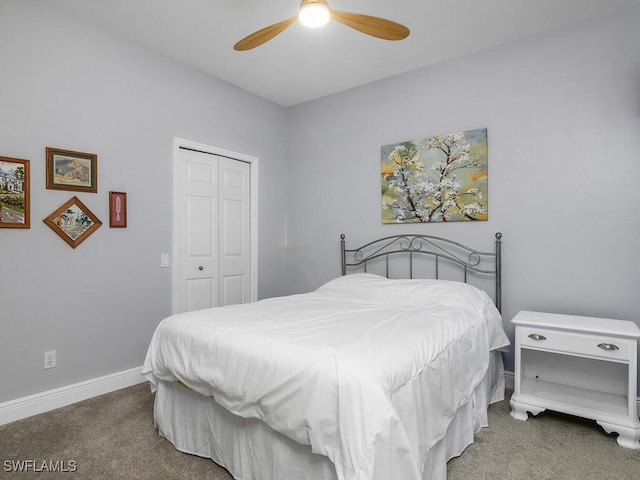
(73, 222)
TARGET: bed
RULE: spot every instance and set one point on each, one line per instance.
(365, 378)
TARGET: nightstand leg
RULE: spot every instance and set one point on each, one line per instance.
(519, 409)
(628, 437)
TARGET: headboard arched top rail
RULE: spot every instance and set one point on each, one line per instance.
(411, 245)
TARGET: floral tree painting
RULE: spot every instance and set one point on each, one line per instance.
(436, 179)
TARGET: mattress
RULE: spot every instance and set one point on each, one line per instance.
(366, 373)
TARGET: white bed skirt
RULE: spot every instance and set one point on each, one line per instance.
(249, 449)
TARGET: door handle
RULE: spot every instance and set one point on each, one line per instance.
(200, 268)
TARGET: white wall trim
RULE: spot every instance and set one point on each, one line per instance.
(60, 397)
(509, 379)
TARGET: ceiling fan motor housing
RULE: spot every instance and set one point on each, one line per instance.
(314, 13)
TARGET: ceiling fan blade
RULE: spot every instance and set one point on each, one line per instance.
(261, 36)
(374, 26)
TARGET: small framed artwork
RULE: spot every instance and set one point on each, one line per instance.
(14, 193)
(74, 171)
(117, 209)
(73, 222)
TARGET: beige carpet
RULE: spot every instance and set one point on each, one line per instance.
(112, 437)
(549, 446)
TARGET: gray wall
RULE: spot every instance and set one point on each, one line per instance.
(65, 84)
(563, 117)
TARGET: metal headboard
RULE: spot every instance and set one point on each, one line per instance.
(469, 259)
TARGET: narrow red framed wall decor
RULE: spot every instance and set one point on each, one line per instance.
(117, 209)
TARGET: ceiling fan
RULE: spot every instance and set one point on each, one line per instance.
(316, 13)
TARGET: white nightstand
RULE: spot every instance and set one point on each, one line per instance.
(581, 366)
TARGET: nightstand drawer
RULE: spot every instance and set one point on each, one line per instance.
(595, 346)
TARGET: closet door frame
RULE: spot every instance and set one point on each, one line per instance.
(253, 249)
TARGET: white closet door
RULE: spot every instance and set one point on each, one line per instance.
(235, 209)
(197, 236)
(213, 230)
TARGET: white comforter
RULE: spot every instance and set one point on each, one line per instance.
(322, 368)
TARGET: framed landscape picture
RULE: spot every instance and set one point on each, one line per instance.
(74, 171)
(73, 222)
(14, 193)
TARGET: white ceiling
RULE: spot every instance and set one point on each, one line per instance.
(303, 64)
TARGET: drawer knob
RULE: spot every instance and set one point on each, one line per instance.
(537, 336)
(608, 346)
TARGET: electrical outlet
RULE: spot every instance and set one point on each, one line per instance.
(49, 359)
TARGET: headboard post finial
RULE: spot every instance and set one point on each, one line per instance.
(343, 254)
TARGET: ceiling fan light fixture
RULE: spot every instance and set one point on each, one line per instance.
(314, 14)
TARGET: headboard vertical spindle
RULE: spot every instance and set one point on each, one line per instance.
(410, 265)
(499, 271)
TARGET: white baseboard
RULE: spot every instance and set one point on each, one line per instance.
(509, 379)
(60, 397)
